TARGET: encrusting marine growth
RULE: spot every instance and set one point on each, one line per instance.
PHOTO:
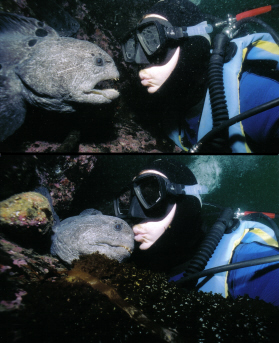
(104, 300)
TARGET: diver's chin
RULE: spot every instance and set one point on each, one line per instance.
(152, 90)
(145, 245)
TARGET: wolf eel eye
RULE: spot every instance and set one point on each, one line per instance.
(99, 61)
(117, 227)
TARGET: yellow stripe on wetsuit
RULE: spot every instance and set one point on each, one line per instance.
(265, 237)
(267, 46)
(248, 150)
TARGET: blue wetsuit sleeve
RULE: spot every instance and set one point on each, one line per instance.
(255, 90)
(261, 280)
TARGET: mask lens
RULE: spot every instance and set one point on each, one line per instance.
(149, 38)
(129, 49)
(148, 191)
(124, 201)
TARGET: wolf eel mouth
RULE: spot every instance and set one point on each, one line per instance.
(106, 88)
(106, 84)
(116, 246)
(129, 250)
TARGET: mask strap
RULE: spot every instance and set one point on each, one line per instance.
(163, 22)
(194, 190)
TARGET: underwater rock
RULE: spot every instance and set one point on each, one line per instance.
(77, 312)
(71, 143)
(47, 71)
(19, 267)
(56, 17)
(26, 212)
(62, 175)
(90, 232)
(130, 137)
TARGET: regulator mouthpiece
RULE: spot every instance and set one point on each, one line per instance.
(195, 190)
(199, 29)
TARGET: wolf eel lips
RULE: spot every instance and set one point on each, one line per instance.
(116, 246)
(129, 250)
(105, 88)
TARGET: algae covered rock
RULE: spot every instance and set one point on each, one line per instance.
(77, 311)
(26, 212)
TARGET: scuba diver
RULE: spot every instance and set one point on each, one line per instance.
(189, 90)
(163, 203)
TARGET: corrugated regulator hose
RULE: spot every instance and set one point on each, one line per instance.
(217, 94)
(206, 249)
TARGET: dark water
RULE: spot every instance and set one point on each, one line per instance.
(120, 15)
(245, 182)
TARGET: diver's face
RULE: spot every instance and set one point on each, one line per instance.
(147, 233)
(153, 77)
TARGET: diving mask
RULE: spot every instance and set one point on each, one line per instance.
(151, 38)
(149, 194)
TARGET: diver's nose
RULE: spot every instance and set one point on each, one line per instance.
(137, 230)
(143, 74)
(133, 221)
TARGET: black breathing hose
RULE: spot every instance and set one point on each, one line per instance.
(218, 138)
(270, 30)
(200, 259)
(228, 267)
(217, 94)
(261, 108)
(196, 273)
